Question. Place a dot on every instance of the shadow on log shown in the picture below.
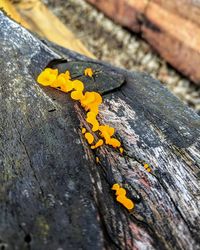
(53, 194)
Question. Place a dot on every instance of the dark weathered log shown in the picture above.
(171, 27)
(53, 193)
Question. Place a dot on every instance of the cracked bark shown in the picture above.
(54, 195)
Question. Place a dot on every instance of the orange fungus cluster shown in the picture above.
(88, 72)
(146, 166)
(90, 101)
(121, 197)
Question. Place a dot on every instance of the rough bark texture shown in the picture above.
(53, 194)
(171, 27)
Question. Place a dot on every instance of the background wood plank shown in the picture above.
(171, 27)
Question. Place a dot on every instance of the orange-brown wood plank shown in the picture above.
(172, 28)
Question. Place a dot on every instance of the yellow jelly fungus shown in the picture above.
(115, 186)
(146, 166)
(60, 81)
(83, 130)
(47, 77)
(121, 191)
(78, 85)
(121, 196)
(88, 72)
(106, 133)
(114, 142)
(88, 98)
(108, 129)
(98, 144)
(94, 109)
(95, 125)
(127, 203)
(89, 137)
(121, 150)
(67, 86)
(76, 95)
(91, 115)
(92, 106)
(106, 136)
(98, 98)
(91, 118)
(97, 160)
(67, 75)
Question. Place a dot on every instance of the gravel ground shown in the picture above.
(110, 42)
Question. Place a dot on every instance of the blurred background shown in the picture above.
(159, 39)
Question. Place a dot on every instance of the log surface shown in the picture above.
(53, 194)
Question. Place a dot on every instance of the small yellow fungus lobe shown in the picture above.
(121, 196)
(114, 142)
(88, 98)
(97, 160)
(91, 118)
(89, 137)
(121, 191)
(115, 186)
(76, 95)
(91, 101)
(121, 150)
(98, 144)
(58, 82)
(106, 132)
(47, 77)
(67, 75)
(78, 85)
(126, 202)
(88, 72)
(107, 129)
(146, 166)
(66, 86)
(83, 130)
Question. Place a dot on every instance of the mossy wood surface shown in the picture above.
(53, 194)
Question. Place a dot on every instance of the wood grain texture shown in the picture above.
(54, 195)
(171, 27)
(188, 9)
(8, 7)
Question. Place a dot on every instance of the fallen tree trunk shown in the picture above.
(172, 28)
(54, 195)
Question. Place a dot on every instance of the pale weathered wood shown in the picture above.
(35, 16)
(12, 12)
(54, 195)
(171, 27)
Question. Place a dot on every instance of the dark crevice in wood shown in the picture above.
(29, 159)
